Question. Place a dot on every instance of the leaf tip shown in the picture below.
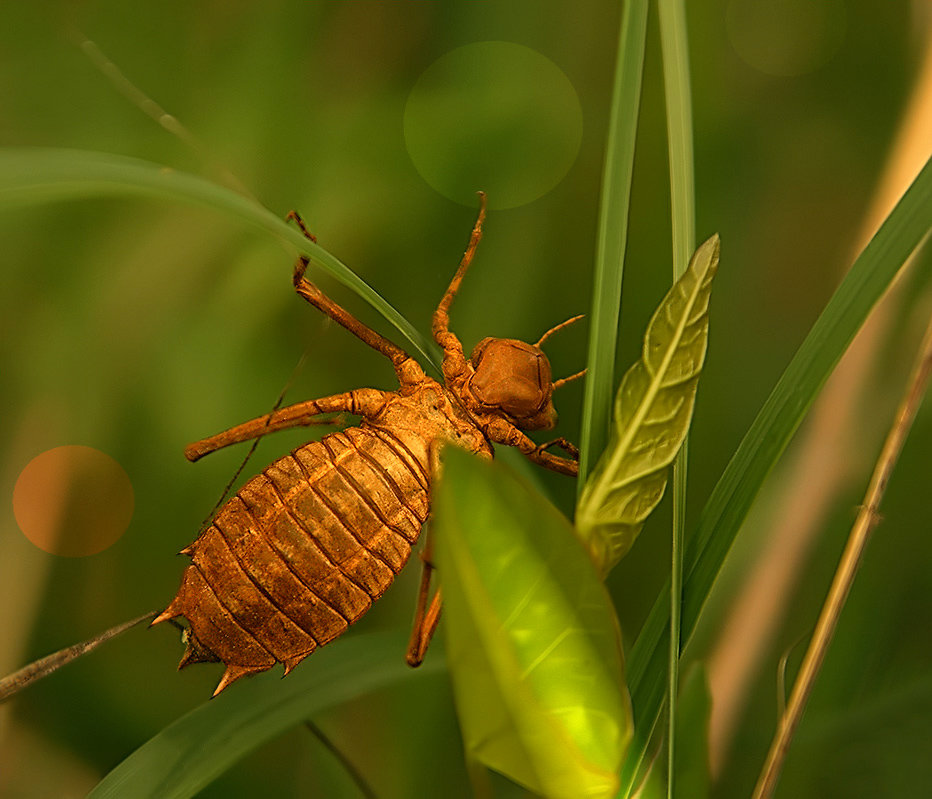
(711, 248)
(704, 261)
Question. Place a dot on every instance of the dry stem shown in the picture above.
(867, 519)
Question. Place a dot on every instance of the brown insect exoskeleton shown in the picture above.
(305, 547)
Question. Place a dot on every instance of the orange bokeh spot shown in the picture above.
(73, 501)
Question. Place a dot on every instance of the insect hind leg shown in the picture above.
(359, 402)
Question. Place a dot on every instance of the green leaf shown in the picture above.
(37, 174)
(653, 409)
(189, 753)
(532, 638)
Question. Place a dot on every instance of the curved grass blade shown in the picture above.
(653, 409)
(189, 753)
(875, 268)
(532, 638)
(38, 175)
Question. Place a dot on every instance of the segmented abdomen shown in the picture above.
(301, 551)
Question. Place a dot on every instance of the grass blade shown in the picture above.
(692, 767)
(872, 272)
(189, 753)
(39, 175)
(612, 236)
(674, 44)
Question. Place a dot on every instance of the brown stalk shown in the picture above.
(15, 682)
(867, 520)
(824, 462)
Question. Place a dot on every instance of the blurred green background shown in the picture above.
(138, 326)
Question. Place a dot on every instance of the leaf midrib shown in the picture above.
(620, 452)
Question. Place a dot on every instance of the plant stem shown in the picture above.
(674, 45)
(867, 519)
(16, 682)
(355, 775)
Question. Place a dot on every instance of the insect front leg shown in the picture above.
(502, 432)
(406, 368)
(454, 360)
(359, 402)
(571, 449)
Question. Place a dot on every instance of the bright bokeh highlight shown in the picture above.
(73, 501)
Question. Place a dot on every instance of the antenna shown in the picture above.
(560, 326)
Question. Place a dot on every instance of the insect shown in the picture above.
(305, 548)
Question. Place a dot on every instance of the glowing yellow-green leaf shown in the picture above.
(653, 409)
(533, 645)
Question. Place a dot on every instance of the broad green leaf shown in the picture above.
(189, 753)
(533, 643)
(653, 409)
(39, 174)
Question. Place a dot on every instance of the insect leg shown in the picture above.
(403, 363)
(454, 361)
(503, 432)
(296, 218)
(360, 402)
(571, 449)
(425, 618)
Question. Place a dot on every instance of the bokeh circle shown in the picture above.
(73, 501)
(495, 116)
(786, 38)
